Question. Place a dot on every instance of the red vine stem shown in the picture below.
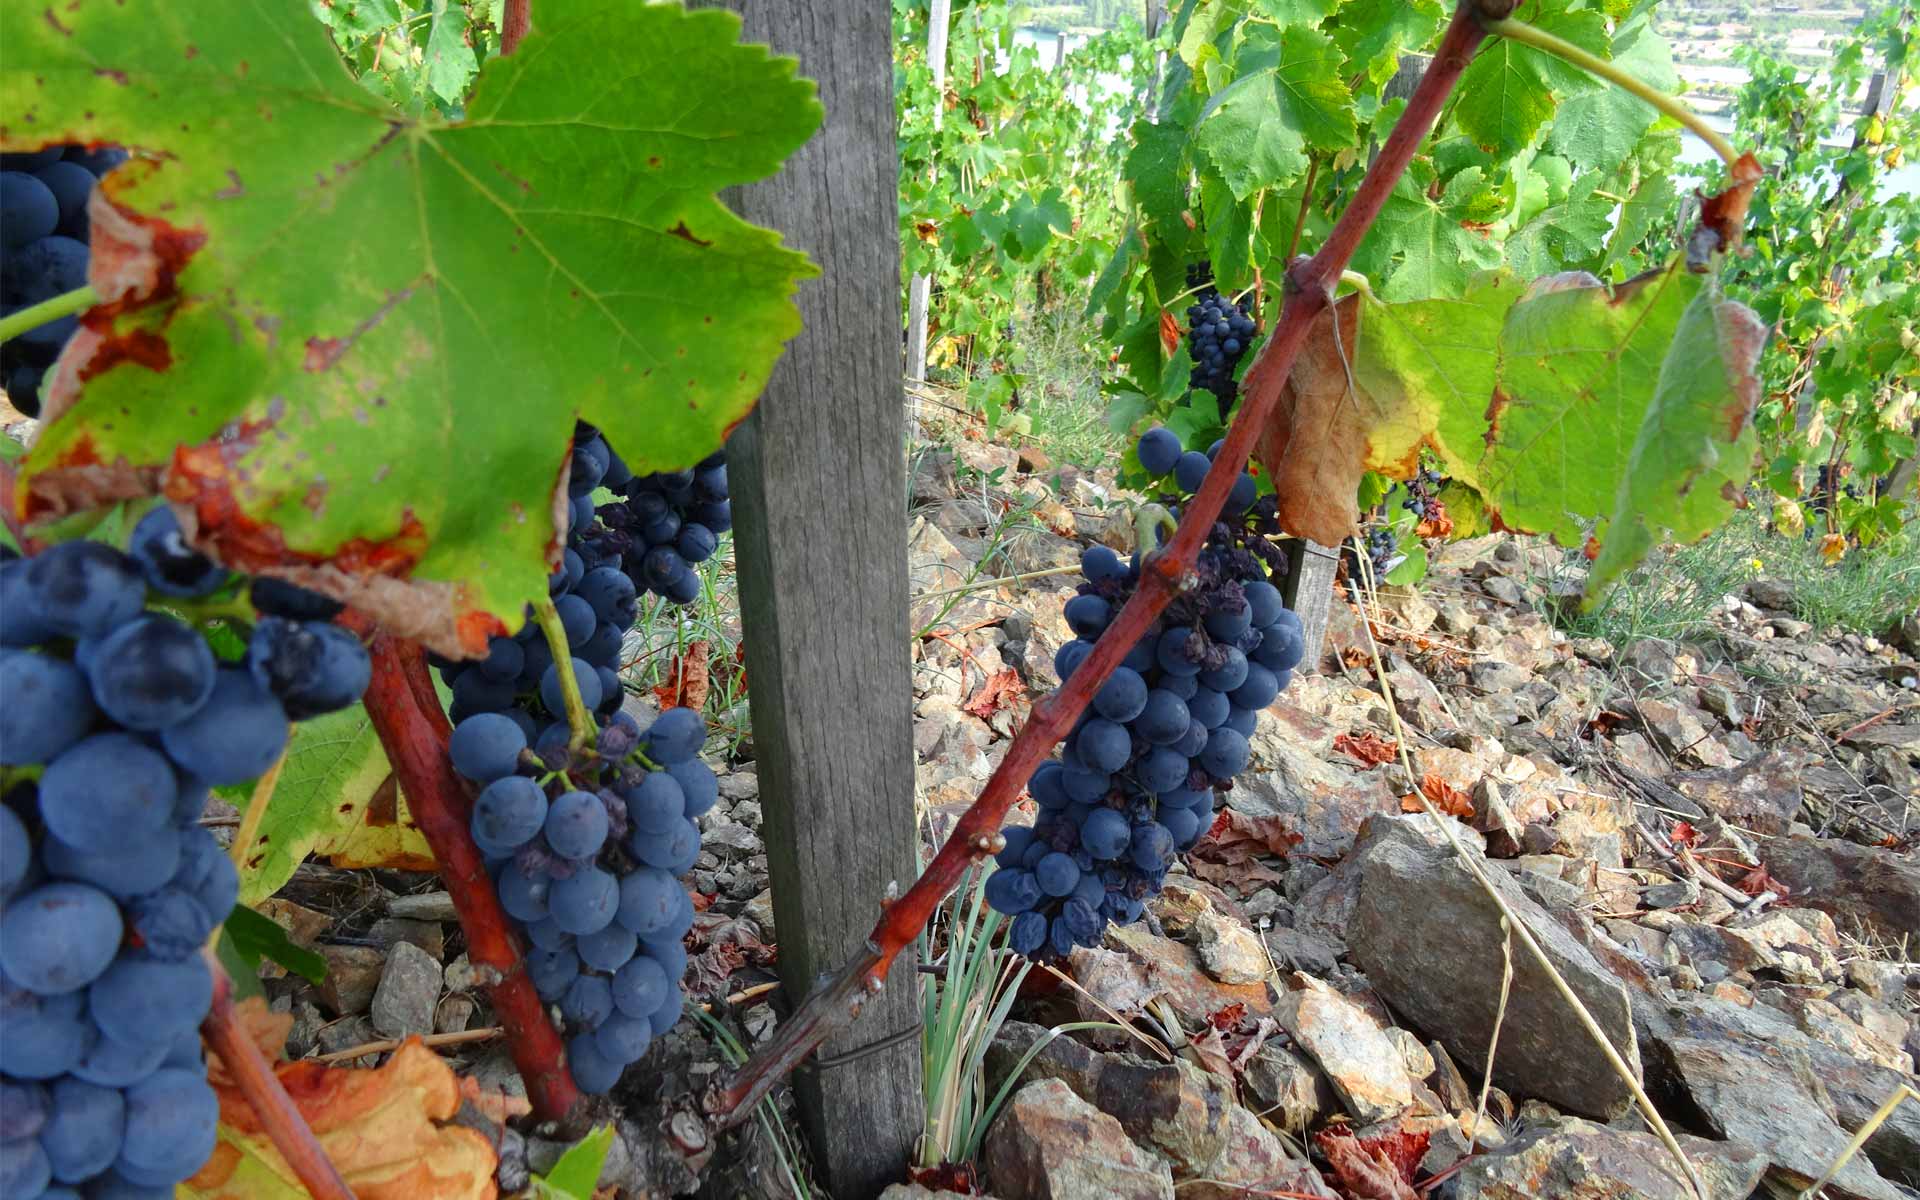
(514, 22)
(1309, 293)
(253, 1075)
(416, 747)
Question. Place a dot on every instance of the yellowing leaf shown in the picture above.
(384, 836)
(385, 1129)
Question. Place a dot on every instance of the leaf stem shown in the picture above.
(253, 1075)
(1592, 64)
(32, 317)
(578, 719)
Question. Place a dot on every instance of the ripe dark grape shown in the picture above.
(170, 565)
(311, 667)
(582, 871)
(1219, 331)
(1135, 784)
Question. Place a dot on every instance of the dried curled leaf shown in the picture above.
(1368, 747)
(385, 1129)
(1001, 690)
(1445, 797)
(689, 680)
(1374, 1168)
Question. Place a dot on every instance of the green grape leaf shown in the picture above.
(449, 60)
(1420, 247)
(1564, 236)
(1287, 97)
(1296, 12)
(1229, 226)
(1373, 34)
(1601, 127)
(1695, 447)
(333, 767)
(1564, 407)
(1157, 170)
(257, 938)
(577, 1175)
(390, 323)
(1508, 91)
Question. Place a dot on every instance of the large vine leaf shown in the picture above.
(1570, 408)
(333, 772)
(390, 1131)
(1601, 127)
(1374, 33)
(356, 340)
(1510, 90)
(1689, 465)
(1287, 97)
(1421, 247)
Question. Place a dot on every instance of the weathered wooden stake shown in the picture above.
(818, 473)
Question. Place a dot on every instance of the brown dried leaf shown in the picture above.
(1001, 690)
(688, 681)
(1374, 1168)
(1368, 747)
(383, 1128)
(1445, 797)
(1316, 446)
(1725, 212)
(1210, 1050)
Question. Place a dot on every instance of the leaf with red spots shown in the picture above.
(351, 342)
(1001, 690)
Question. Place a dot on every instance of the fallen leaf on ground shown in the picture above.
(382, 1128)
(1000, 691)
(1684, 834)
(1757, 881)
(1228, 1017)
(687, 681)
(1373, 1168)
(497, 1106)
(1445, 797)
(1368, 747)
(1211, 1051)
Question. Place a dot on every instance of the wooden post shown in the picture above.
(920, 287)
(1308, 591)
(818, 472)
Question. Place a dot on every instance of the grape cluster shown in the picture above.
(1384, 549)
(1219, 331)
(1135, 783)
(669, 523)
(108, 885)
(1422, 498)
(43, 252)
(588, 866)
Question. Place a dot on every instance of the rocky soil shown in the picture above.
(1712, 844)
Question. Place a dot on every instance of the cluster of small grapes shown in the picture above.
(43, 251)
(669, 523)
(109, 887)
(1384, 549)
(1219, 331)
(597, 601)
(587, 865)
(1136, 781)
(1421, 499)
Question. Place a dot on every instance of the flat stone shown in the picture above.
(1296, 950)
(1287, 1087)
(1049, 1144)
(423, 906)
(759, 909)
(344, 1035)
(428, 935)
(1176, 1108)
(1681, 731)
(1229, 950)
(1253, 1162)
(1359, 1059)
(409, 989)
(1429, 939)
(1869, 884)
(1578, 1160)
(1770, 1097)
(353, 972)
(1174, 970)
(1762, 794)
